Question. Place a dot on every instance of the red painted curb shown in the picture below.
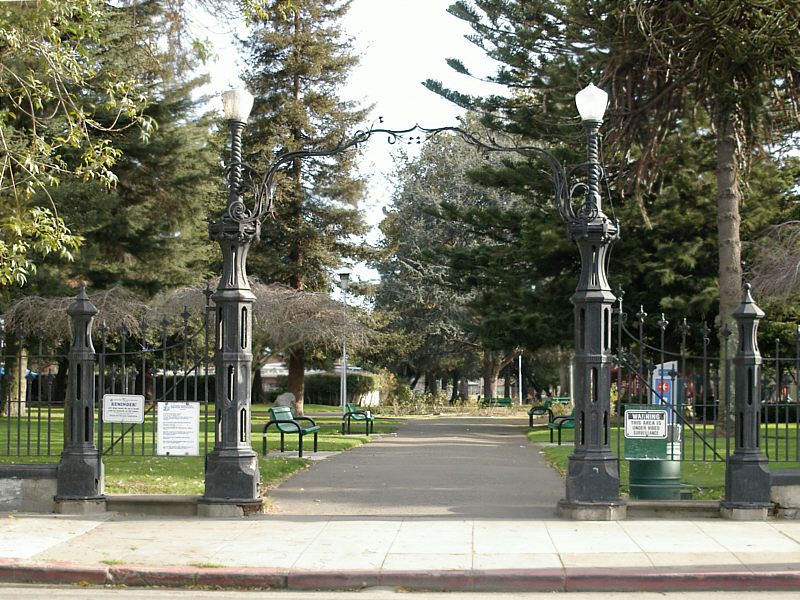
(233, 577)
(518, 580)
(432, 580)
(183, 576)
(21, 571)
(18, 571)
(329, 580)
(627, 580)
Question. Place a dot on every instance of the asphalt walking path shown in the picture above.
(453, 503)
(465, 468)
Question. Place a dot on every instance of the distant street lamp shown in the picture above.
(344, 277)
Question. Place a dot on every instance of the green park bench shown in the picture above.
(282, 418)
(353, 414)
(545, 409)
(507, 402)
(562, 422)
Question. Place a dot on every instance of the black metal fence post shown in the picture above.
(747, 478)
(80, 470)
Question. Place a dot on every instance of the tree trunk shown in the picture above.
(15, 382)
(493, 363)
(296, 380)
(414, 381)
(464, 387)
(430, 383)
(729, 198)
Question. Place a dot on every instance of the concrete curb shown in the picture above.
(541, 580)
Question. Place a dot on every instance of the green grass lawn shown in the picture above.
(706, 477)
(145, 473)
(184, 475)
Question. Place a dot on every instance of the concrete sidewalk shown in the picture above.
(413, 553)
(447, 504)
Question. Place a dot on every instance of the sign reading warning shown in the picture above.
(650, 424)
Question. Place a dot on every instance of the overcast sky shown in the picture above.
(401, 43)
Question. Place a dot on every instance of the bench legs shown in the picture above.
(559, 435)
(346, 427)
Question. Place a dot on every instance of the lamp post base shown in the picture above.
(232, 477)
(80, 475)
(593, 511)
(592, 479)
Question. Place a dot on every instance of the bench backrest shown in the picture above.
(282, 413)
(350, 407)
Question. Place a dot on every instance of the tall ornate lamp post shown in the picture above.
(232, 475)
(344, 277)
(592, 485)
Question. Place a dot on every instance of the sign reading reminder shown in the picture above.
(123, 408)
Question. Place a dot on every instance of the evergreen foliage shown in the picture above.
(296, 64)
(697, 90)
(53, 87)
(297, 61)
(148, 232)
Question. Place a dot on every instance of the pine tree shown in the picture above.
(148, 232)
(738, 62)
(296, 63)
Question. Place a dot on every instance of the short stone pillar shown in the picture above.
(747, 477)
(80, 471)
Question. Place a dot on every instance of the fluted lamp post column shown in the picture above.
(592, 482)
(232, 475)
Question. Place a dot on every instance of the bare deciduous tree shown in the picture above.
(775, 268)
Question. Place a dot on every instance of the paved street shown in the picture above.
(35, 592)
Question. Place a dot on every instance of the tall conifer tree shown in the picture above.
(296, 65)
(148, 231)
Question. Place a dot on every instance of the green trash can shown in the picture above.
(655, 479)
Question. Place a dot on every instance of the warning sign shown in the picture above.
(646, 424)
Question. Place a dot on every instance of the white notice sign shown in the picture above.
(178, 431)
(646, 424)
(123, 408)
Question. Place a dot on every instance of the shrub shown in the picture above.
(323, 388)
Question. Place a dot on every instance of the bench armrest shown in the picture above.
(313, 422)
(356, 412)
(278, 423)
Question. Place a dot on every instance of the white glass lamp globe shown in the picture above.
(237, 104)
(592, 102)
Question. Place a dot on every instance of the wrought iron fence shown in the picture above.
(174, 367)
(30, 393)
(170, 362)
(696, 386)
